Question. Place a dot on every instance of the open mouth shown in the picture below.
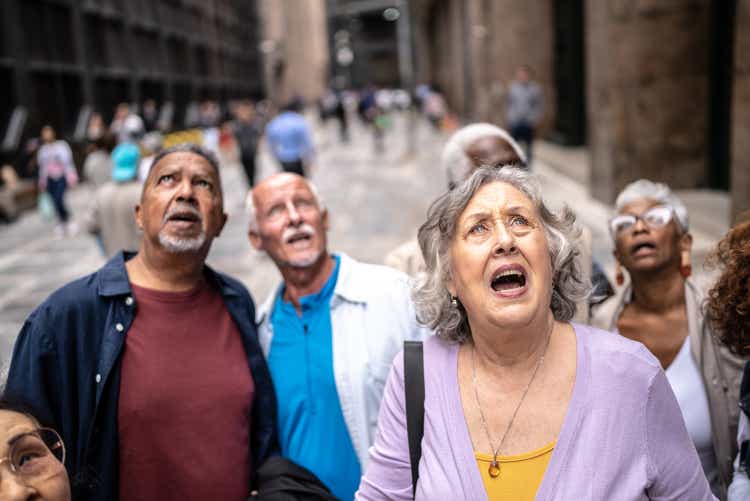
(642, 248)
(299, 239)
(508, 280)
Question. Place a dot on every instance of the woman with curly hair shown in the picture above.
(728, 313)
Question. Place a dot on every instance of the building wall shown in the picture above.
(740, 173)
(475, 47)
(59, 56)
(296, 48)
(647, 92)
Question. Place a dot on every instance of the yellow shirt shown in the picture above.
(520, 476)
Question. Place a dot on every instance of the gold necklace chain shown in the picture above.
(494, 468)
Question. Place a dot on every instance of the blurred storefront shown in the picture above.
(62, 60)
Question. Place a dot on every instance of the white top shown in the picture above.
(372, 314)
(685, 379)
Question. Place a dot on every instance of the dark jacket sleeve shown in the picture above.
(33, 367)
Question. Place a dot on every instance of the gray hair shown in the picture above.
(456, 162)
(252, 212)
(188, 148)
(660, 192)
(431, 297)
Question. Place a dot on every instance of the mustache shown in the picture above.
(182, 209)
(303, 230)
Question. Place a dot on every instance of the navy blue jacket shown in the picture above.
(66, 363)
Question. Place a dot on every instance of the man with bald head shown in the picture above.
(330, 333)
(151, 368)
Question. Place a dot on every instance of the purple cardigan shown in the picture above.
(623, 437)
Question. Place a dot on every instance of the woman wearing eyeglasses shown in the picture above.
(661, 307)
(32, 457)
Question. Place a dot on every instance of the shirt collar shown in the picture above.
(114, 281)
(347, 288)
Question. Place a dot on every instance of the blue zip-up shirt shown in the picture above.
(312, 430)
(66, 363)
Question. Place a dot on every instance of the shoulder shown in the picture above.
(615, 360)
(78, 299)
(230, 284)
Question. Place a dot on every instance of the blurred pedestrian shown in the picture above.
(151, 367)
(509, 400)
(97, 167)
(525, 108)
(434, 107)
(150, 115)
(126, 124)
(151, 145)
(728, 314)
(661, 307)
(247, 129)
(336, 321)
(111, 215)
(95, 129)
(57, 173)
(32, 455)
(290, 140)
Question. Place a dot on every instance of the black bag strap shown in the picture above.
(414, 393)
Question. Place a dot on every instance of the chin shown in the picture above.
(304, 261)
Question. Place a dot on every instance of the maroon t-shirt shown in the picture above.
(186, 393)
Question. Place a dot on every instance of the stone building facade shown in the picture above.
(295, 48)
(646, 85)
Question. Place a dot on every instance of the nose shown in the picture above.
(505, 242)
(293, 214)
(185, 190)
(12, 488)
(640, 226)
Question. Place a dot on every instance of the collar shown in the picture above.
(114, 281)
(347, 289)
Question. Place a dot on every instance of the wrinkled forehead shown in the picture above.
(496, 197)
(281, 189)
(12, 424)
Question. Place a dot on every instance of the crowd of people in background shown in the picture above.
(475, 363)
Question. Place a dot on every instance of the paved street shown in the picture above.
(375, 201)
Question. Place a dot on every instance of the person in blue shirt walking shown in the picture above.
(329, 332)
(289, 138)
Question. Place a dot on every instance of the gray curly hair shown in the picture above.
(431, 297)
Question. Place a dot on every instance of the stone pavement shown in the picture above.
(375, 202)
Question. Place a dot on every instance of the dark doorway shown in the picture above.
(721, 74)
(570, 77)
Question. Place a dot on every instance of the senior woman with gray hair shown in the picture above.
(519, 403)
(661, 307)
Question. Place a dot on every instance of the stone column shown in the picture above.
(647, 77)
(740, 173)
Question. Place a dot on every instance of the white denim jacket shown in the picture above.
(371, 315)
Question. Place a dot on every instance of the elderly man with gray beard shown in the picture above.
(151, 367)
(330, 332)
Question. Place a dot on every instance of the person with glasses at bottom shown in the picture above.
(32, 457)
(660, 306)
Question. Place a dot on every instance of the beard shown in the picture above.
(305, 262)
(179, 245)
